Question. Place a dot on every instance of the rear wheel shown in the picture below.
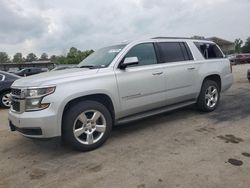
(87, 125)
(5, 100)
(209, 96)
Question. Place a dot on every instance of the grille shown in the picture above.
(16, 92)
(15, 105)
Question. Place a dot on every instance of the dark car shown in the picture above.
(6, 80)
(248, 74)
(29, 71)
(242, 58)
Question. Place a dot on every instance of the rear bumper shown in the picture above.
(227, 82)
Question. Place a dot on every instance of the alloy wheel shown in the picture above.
(211, 96)
(89, 127)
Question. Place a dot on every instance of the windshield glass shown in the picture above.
(102, 57)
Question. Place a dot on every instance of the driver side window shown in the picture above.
(145, 54)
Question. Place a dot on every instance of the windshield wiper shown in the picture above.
(90, 66)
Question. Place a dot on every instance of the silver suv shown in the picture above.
(119, 84)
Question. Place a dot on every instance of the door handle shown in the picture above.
(191, 68)
(157, 73)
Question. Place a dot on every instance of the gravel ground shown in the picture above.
(184, 148)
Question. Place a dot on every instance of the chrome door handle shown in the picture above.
(157, 73)
(191, 68)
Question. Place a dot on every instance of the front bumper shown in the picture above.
(37, 124)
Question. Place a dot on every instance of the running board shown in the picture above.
(153, 112)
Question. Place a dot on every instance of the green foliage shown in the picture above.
(74, 56)
(44, 57)
(246, 47)
(18, 58)
(4, 58)
(238, 43)
(31, 57)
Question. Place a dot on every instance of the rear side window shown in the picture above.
(173, 51)
(144, 52)
(209, 51)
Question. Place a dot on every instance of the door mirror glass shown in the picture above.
(129, 61)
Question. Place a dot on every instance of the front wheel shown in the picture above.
(209, 96)
(86, 125)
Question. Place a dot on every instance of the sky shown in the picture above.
(53, 26)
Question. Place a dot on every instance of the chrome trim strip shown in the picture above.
(153, 93)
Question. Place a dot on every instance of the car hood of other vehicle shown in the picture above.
(54, 77)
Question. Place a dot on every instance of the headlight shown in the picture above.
(34, 97)
(39, 92)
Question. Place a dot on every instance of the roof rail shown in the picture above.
(177, 38)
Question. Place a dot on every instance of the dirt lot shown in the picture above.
(183, 148)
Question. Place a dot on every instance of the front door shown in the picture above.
(141, 87)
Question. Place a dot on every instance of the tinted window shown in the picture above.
(1, 77)
(209, 51)
(173, 51)
(145, 54)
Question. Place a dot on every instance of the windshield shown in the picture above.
(102, 57)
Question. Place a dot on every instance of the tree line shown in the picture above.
(239, 48)
(74, 56)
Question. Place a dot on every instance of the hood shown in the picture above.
(54, 77)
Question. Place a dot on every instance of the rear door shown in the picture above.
(141, 87)
(180, 70)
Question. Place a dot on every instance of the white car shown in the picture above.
(119, 84)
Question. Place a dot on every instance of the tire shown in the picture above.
(81, 120)
(209, 92)
(5, 100)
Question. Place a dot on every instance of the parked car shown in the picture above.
(242, 58)
(119, 84)
(232, 59)
(6, 79)
(29, 71)
(248, 74)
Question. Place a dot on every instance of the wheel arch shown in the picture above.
(214, 77)
(100, 97)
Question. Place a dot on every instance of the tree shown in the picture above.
(246, 47)
(4, 58)
(18, 58)
(75, 56)
(237, 44)
(58, 59)
(44, 57)
(31, 57)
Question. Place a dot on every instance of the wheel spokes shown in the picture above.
(95, 116)
(89, 127)
(90, 138)
(79, 132)
(83, 118)
(100, 128)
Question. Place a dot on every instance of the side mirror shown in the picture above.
(129, 61)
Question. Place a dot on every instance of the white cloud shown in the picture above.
(53, 26)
